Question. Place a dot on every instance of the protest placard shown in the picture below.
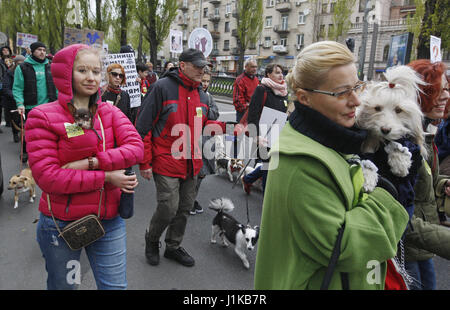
(25, 39)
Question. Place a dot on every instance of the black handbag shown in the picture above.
(83, 231)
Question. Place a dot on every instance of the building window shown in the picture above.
(267, 41)
(205, 26)
(332, 5)
(357, 19)
(301, 18)
(268, 21)
(300, 39)
(216, 12)
(195, 14)
(215, 45)
(270, 3)
(283, 41)
(227, 26)
(324, 8)
(205, 12)
(322, 31)
(284, 22)
(226, 45)
(386, 52)
(228, 8)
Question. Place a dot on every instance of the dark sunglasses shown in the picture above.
(115, 74)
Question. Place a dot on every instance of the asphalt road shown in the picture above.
(217, 268)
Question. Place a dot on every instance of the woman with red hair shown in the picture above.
(425, 237)
(113, 94)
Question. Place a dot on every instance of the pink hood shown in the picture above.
(62, 68)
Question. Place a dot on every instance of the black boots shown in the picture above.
(151, 250)
(180, 255)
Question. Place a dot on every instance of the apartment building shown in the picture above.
(290, 25)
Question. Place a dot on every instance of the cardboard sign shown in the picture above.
(128, 63)
(435, 49)
(176, 41)
(25, 39)
(83, 36)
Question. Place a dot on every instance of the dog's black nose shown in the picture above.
(385, 130)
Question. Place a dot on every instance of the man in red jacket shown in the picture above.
(171, 122)
(244, 87)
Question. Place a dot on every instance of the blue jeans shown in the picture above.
(423, 274)
(107, 256)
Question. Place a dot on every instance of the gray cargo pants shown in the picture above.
(175, 198)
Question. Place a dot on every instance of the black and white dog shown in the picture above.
(243, 237)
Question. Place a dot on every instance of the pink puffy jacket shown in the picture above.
(76, 193)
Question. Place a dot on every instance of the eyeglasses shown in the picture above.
(342, 94)
(115, 74)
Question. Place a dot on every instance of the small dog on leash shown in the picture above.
(225, 165)
(230, 230)
(21, 183)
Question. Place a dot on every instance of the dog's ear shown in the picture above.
(242, 227)
(256, 228)
(23, 178)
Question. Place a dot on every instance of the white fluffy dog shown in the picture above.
(389, 111)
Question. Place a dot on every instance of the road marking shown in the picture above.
(229, 112)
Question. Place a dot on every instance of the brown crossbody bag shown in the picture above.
(87, 229)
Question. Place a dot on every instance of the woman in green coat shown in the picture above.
(314, 189)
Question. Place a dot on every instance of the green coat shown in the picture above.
(425, 236)
(309, 195)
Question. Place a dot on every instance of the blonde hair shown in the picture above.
(92, 50)
(314, 62)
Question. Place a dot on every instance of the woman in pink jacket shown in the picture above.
(81, 170)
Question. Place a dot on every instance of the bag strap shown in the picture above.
(53, 217)
(103, 132)
(332, 264)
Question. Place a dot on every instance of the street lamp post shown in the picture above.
(362, 55)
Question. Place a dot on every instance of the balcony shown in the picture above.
(215, 34)
(215, 2)
(280, 49)
(283, 7)
(281, 29)
(214, 18)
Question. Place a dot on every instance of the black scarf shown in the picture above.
(41, 61)
(318, 127)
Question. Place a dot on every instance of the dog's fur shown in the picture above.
(23, 182)
(83, 118)
(389, 111)
(230, 230)
(225, 165)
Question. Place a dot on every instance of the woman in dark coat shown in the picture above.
(113, 94)
(271, 93)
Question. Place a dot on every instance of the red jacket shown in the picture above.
(171, 121)
(243, 89)
(76, 193)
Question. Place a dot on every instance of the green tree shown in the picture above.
(414, 23)
(249, 26)
(435, 22)
(341, 19)
(156, 16)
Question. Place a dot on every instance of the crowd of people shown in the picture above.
(319, 227)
